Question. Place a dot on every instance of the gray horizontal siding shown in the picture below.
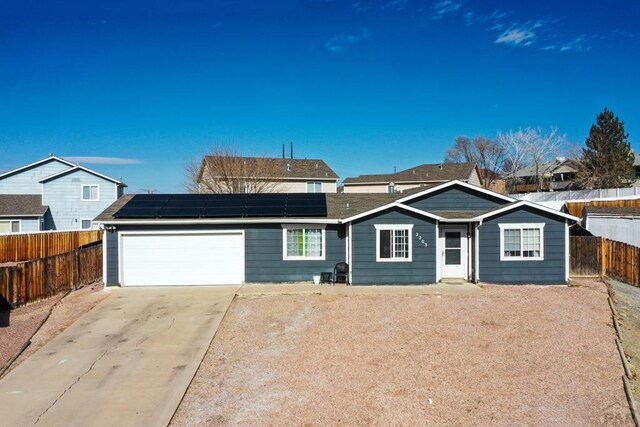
(367, 271)
(64, 197)
(111, 252)
(455, 198)
(263, 252)
(26, 181)
(27, 224)
(549, 270)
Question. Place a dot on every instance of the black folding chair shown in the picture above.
(341, 273)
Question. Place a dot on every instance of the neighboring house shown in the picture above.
(621, 224)
(556, 175)
(21, 213)
(54, 194)
(453, 230)
(415, 177)
(283, 175)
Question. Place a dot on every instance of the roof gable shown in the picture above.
(433, 189)
(36, 164)
(80, 168)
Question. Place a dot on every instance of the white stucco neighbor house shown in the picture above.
(54, 194)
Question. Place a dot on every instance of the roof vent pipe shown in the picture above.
(283, 153)
(291, 149)
(288, 167)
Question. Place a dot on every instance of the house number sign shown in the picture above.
(421, 240)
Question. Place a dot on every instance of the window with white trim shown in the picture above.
(521, 242)
(314, 187)
(393, 242)
(10, 226)
(303, 242)
(90, 193)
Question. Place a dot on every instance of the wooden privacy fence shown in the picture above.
(575, 208)
(599, 256)
(34, 280)
(23, 247)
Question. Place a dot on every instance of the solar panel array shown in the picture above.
(224, 206)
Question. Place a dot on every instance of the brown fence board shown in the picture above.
(24, 247)
(599, 256)
(575, 208)
(38, 279)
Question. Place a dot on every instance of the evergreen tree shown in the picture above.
(607, 161)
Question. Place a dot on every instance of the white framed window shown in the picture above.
(521, 242)
(303, 242)
(314, 187)
(86, 224)
(90, 193)
(10, 226)
(393, 242)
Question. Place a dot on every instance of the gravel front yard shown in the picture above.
(511, 354)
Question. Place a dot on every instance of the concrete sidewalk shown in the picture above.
(444, 288)
(127, 362)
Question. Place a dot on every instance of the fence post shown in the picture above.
(604, 256)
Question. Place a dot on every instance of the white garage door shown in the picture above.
(182, 259)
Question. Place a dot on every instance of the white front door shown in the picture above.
(453, 243)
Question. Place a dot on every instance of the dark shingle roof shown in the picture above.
(107, 214)
(21, 205)
(423, 173)
(458, 214)
(611, 211)
(298, 168)
(340, 205)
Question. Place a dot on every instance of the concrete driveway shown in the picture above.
(126, 362)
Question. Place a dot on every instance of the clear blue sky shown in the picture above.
(364, 85)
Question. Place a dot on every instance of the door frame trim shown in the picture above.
(464, 251)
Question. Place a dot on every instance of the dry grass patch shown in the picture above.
(510, 354)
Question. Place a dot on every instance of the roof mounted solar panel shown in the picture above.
(276, 205)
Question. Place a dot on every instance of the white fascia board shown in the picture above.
(11, 172)
(460, 183)
(531, 205)
(82, 168)
(220, 221)
(392, 205)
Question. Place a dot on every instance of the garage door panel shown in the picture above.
(182, 259)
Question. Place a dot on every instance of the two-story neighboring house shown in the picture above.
(414, 177)
(555, 175)
(265, 175)
(54, 194)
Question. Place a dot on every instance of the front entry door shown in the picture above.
(453, 244)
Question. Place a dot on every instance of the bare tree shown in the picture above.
(484, 152)
(530, 147)
(225, 170)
